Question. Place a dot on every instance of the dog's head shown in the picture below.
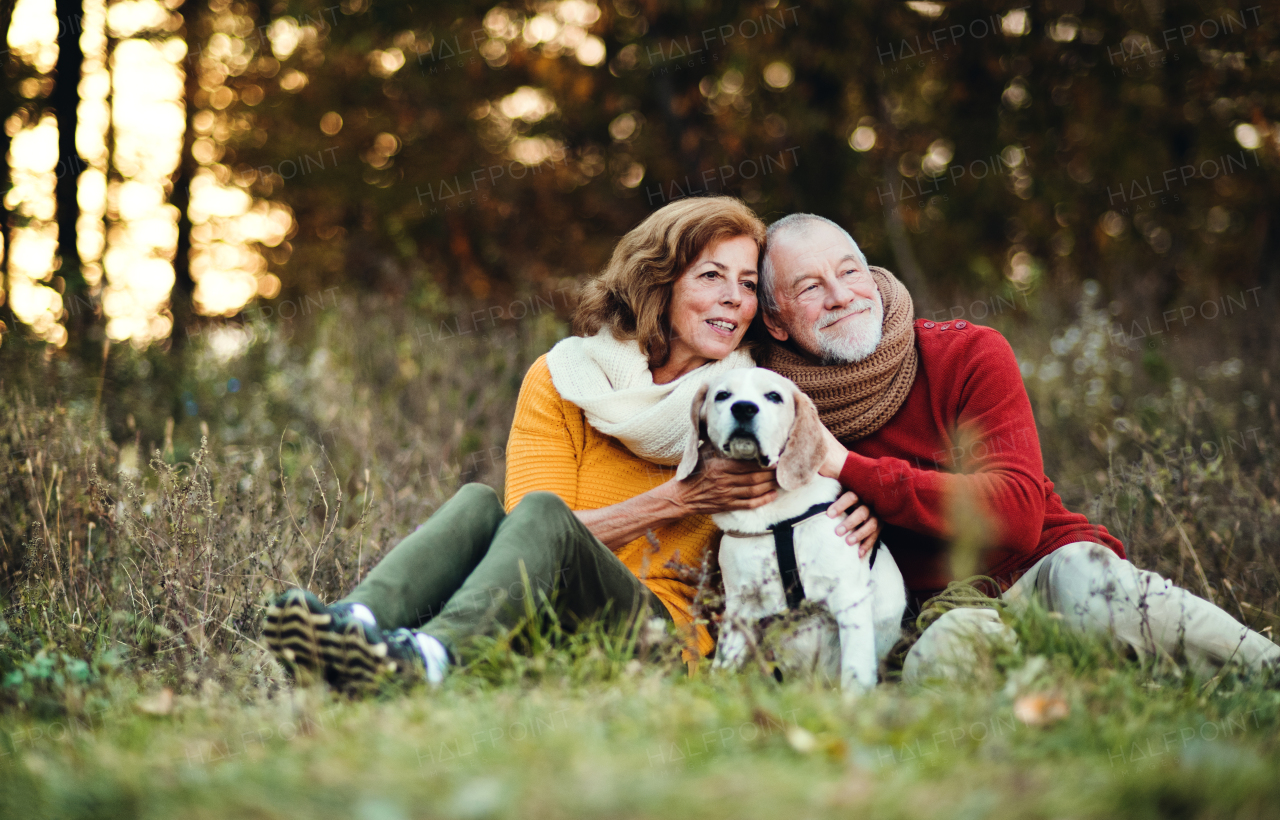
(753, 413)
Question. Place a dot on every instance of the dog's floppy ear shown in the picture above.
(803, 453)
(690, 461)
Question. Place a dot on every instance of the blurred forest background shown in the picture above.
(330, 239)
(167, 163)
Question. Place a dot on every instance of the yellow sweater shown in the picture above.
(553, 448)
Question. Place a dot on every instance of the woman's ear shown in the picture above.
(689, 463)
(803, 454)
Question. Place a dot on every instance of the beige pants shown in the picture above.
(1100, 593)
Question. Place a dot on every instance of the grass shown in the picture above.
(649, 742)
(150, 505)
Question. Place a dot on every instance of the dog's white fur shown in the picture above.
(777, 425)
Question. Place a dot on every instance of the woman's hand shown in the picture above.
(723, 484)
(718, 486)
(862, 527)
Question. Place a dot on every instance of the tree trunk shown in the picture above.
(65, 100)
(6, 104)
(181, 300)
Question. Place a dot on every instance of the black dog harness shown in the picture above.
(785, 546)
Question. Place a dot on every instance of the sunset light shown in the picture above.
(132, 120)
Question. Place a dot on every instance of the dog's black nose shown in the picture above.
(744, 410)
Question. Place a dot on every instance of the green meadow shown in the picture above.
(134, 684)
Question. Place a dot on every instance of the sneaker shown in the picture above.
(417, 656)
(404, 654)
(355, 654)
(339, 643)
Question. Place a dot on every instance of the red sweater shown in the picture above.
(965, 431)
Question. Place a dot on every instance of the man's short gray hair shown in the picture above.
(792, 226)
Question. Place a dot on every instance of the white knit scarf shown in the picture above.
(611, 381)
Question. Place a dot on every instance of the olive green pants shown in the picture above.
(458, 575)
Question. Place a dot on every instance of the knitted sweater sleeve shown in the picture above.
(545, 443)
(994, 458)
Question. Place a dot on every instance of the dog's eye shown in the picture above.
(722, 395)
(773, 396)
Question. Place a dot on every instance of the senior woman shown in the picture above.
(600, 423)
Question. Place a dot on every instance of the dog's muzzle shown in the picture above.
(742, 446)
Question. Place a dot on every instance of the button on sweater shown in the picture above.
(553, 448)
(965, 435)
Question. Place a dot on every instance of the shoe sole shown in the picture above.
(300, 633)
(356, 663)
(292, 629)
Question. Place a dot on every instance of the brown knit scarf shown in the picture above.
(855, 400)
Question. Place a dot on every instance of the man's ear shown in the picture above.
(689, 463)
(776, 330)
(803, 454)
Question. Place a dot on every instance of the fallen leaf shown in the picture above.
(801, 739)
(1040, 710)
(160, 704)
(835, 747)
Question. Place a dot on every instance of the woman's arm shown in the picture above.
(545, 443)
(721, 485)
(543, 452)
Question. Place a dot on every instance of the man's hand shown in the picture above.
(835, 455)
(861, 526)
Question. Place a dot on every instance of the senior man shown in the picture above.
(926, 418)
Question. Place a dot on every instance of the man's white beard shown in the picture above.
(854, 339)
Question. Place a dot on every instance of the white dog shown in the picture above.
(757, 414)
